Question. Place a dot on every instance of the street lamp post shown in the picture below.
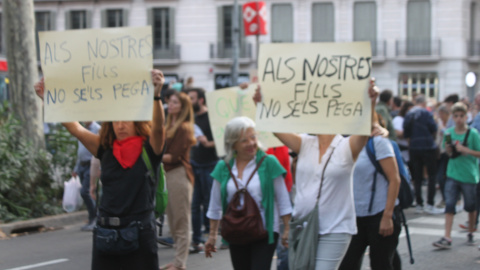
(235, 39)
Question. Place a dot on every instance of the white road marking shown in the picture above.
(432, 232)
(428, 220)
(31, 266)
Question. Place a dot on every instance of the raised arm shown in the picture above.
(357, 142)
(291, 140)
(90, 140)
(157, 136)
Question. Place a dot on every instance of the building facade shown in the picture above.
(427, 46)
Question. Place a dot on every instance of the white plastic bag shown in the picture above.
(72, 200)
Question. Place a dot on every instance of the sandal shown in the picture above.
(166, 266)
(170, 266)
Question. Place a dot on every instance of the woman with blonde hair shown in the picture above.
(127, 202)
(179, 175)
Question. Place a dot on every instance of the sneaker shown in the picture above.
(166, 241)
(470, 239)
(443, 243)
(419, 209)
(430, 209)
(196, 248)
(465, 226)
(89, 226)
(441, 205)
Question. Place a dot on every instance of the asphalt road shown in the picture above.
(69, 249)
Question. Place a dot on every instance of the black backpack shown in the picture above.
(406, 193)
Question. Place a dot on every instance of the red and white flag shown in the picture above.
(255, 18)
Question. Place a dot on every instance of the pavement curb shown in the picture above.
(56, 221)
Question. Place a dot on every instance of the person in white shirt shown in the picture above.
(336, 206)
(266, 187)
(398, 126)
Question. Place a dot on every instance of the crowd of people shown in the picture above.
(439, 142)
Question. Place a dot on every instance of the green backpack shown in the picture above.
(161, 194)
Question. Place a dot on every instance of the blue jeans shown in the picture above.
(201, 198)
(84, 175)
(452, 191)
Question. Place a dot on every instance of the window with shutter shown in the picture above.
(419, 27)
(282, 23)
(78, 19)
(365, 23)
(114, 18)
(225, 33)
(43, 22)
(323, 22)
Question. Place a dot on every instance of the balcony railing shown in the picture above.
(225, 51)
(379, 49)
(418, 47)
(171, 52)
(473, 48)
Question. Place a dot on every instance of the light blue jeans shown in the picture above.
(331, 249)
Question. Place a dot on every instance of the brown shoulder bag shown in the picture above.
(242, 224)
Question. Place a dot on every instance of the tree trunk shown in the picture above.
(19, 36)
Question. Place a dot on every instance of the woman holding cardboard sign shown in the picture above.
(323, 174)
(125, 233)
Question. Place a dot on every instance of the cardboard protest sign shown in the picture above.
(228, 103)
(318, 88)
(97, 74)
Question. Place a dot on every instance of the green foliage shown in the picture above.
(28, 188)
(63, 148)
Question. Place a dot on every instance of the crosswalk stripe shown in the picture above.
(432, 232)
(428, 220)
(38, 264)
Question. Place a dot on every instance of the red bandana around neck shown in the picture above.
(128, 150)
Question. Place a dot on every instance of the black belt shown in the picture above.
(105, 221)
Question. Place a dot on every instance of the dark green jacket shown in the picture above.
(383, 110)
(267, 172)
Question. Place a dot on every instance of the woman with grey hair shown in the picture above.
(266, 187)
